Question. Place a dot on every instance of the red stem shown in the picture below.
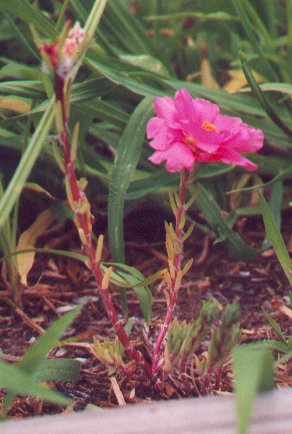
(177, 266)
(88, 246)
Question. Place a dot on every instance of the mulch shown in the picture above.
(57, 283)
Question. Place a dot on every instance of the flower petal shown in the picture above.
(184, 105)
(164, 107)
(177, 157)
(157, 131)
(205, 110)
(187, 129)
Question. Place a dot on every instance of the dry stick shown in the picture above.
(177, 268)
(24, 317)
(85, 220)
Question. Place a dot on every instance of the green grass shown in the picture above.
(134, 57)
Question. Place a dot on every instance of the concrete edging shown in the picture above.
(211, 415)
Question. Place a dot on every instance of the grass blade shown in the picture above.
(253, 371)
(128, 154)
(241, 7)
(235, 245)
(262, 98)
(275, 237)
(26, 12)
(130, 277)
(94, 17)
(35, 355)
(275, 326)
(17, 381)
(27, 161)
(58, 370)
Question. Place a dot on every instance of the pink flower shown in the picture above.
(186, 130)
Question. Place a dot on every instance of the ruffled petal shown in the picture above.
(158, 131)
(205, 110)
(184, 105)
(177, 157)
(232, 157)
(245, 139)
(164, 107)
(187, 129)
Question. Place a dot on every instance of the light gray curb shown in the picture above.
(212, 415)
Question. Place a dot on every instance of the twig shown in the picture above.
(24, 317)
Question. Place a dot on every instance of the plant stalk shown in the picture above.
(85, 221)
(177, 260)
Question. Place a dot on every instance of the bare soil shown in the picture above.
(56, 283)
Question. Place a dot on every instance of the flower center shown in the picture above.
(208, 126)
(190, 141)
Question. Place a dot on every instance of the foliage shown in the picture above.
(183, 340)
(24, 376)
(124, 57)
(135, 56)
(253, 363)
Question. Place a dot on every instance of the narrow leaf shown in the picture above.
(31, 15)
(128, 155)
(44, 343)
(276, 239)
(262, 98)
(253, 371)
(130, 277)
(58, 370)
(275, 326)
(27, 161)
(235, 245)
(17, 381)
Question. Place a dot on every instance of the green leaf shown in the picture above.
(35, 355)
(146, 62)
(253, 372)
(281, 174)
(213, 17)
(114, 72)
(94, 17)
(276, 201)
(235, 245)
(276, 239)
(162, 180)
(275, 326)
(25, 88)
(58, 370)
(31, 15)
(271, 344)
(26, 163)
(156, 181)
(243, 11)
(17, 381)
(129, 31)
(128, 155)
(274, 87)
(33, 361)
(131, 277)
(271, 112)
(65, 253)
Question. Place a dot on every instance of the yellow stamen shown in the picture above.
(208, 126)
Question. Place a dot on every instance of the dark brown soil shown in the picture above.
(57, 282)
